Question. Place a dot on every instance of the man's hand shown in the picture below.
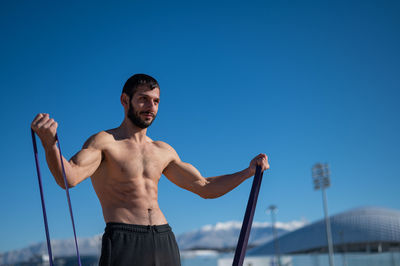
(46, 128)
(261, 160)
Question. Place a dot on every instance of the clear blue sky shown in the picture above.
(302, 81)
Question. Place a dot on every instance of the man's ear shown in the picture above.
(125, 100)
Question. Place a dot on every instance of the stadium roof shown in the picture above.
(366, 229)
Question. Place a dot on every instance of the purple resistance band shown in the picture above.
(248, 219)
(35, 150)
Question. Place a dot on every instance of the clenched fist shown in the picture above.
(46, 128)
(261, 160)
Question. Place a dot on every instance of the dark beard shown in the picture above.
(136, 120)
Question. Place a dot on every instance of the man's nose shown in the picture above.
(151, 105)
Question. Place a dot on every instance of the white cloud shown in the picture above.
(290, 226)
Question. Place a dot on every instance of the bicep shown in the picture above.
(85, 162)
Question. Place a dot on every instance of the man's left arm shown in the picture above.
(188, 177)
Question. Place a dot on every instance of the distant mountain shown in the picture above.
(60, 248)
(223, 235)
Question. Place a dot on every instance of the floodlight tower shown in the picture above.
(272, 209)
(321, 179)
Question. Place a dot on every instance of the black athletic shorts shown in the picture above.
(139, 245)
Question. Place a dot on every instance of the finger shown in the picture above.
(39, 117)
(54, 125)
(257, 157)
(42, 121)
(262, 161)
(36, 119)
(48, 123)
(263, 156)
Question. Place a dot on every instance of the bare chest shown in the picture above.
(130, 161)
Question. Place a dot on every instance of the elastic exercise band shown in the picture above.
(248, 219)
(42, 198)
(35, 150)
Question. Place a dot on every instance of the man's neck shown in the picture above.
(130, 131)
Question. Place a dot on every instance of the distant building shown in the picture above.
(367, 229)
(362, 236)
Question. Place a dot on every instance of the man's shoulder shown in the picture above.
(167, 149)
(163, 145)
(98, 140)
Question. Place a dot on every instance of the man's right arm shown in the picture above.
(82, 165)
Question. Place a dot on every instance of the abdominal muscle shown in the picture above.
(130, 201)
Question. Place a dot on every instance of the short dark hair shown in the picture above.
(137, 80)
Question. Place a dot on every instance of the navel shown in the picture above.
(149, 211)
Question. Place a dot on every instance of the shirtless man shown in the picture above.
(125, 166)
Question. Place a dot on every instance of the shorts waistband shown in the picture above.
(137, 227)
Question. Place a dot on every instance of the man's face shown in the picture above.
(143, 106)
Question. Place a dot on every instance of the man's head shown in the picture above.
(140, 98)
(137, 80)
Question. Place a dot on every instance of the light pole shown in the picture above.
(341, 233)
(272, 209)
(321, 179)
